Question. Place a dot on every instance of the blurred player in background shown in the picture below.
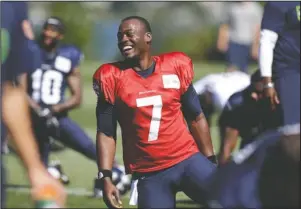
(244, 115)
(56, 68)
(279, 58)
(146, 94)
(214, 90)
(264, 174)
(238, 34)
(16, 58)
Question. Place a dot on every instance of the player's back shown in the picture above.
(240, 107)
(222, 85)
(48, 81)
(154, 132)
(284, 19)
(15, 54)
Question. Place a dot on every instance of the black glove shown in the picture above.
(51, 121)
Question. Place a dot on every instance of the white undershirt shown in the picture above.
(222, 86)
(268, 41)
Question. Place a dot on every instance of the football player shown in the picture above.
(264, 174)
(146, 95)
(56, 68)
(279, 58)
(215, 89)
(16, 58)
(246, 104)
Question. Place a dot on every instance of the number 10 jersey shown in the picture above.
(154, 132)
(48, 82)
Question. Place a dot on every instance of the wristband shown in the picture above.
(212, 158)
(104, 173)
(268, 85)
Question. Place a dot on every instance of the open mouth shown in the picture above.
(127, 49)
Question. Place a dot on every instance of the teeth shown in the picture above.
(127, 47)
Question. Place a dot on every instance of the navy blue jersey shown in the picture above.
(48, 81)
(243, 114)
(16, 55)
(284, 19)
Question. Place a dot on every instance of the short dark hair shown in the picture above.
(141, 19)
(256, 76)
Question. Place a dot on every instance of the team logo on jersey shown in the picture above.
(171, 81)
(96, 87)
(5, 44)
(62, 64)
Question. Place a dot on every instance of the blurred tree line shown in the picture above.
(195, 36)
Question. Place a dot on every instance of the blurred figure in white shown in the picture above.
(214, 90)
(239, 33)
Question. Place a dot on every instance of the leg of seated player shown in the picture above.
(288, 89)
(158, 189)
(198, 169)
(74, 137)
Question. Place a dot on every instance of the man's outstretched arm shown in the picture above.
(197, 123)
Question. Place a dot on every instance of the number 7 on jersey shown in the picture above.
(156, 102)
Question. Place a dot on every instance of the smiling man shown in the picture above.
(150, 96)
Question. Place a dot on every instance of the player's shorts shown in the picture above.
(158, 189)
(288, 89)
(238, 56)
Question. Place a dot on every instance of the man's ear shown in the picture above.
(149, 37)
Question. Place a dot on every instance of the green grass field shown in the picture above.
(80, 170)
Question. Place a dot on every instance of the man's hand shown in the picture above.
(271, 94)
(111, 194)
(41, 180)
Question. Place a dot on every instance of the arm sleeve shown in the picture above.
(272, 24)
(191, 106)
(268, 41)
(106, 118)
(103, 86)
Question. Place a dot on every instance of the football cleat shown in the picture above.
(55, 169)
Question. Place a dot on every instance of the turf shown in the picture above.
(80, 170)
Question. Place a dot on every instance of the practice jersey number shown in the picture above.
(47, 86)
(156, 102)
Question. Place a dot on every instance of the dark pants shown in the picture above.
(70, 134)
(235, 184)
(238, 56)
(288, 89)
(158, 189)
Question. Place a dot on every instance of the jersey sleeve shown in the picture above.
(104, 83)
(185, 72)
(273, 17)
(76, 57)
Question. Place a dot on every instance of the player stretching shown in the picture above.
(279, 58)
(146, 95)
(56, 68)
(16, 58)
(215, 89)
(241, 105)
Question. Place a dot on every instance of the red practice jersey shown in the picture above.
(154, 133)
